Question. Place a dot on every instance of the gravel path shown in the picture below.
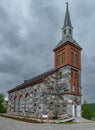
(9, 124)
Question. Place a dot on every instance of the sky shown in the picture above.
(29, 31)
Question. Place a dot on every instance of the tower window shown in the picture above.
(58, 60)
(72, 73)
(76, 59)
(70, 31)
(73, 88)
(76, 75)
(72, 57)
(64, 31)
(63, 57)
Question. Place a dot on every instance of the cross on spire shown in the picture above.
(67, 4)
(67, 20)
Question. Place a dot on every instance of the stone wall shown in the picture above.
(47, 98)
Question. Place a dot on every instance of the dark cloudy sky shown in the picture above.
(30, 29)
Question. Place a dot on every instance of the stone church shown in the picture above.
(56, 92)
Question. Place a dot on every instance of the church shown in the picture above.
(57, 91)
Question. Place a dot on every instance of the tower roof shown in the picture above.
(67, 39)
(67, 20)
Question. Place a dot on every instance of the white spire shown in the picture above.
(67, 27)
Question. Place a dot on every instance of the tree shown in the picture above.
(2, 104)
(86, 112)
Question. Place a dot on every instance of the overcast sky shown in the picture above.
(29, 31)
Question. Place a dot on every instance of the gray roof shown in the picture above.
(32, 80)
(66, 39)
(45, 74)
(67, 20)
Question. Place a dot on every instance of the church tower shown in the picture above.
(67, 60)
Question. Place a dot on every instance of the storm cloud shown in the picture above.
(29, 31)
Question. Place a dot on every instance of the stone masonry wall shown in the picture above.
(46, 98)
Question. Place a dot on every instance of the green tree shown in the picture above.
(86, 112)
(2, 104)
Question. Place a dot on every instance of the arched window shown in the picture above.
(64, 31)
(20, 103)
(14, 104)
(63, 57)
(51, 105)
(60, 74)
(72, 74)
(76, 59)
(73, 88)
(70, 31)
(35, 92)
(17, 104)
(72, 57)
(27, 103)
(35, 106)
(58, 59)
(76, 75)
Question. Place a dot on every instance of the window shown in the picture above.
(63, 57)
(35, 106)
(20, 103)
(58, 60)
(76, 59)
(73, 88)
(72, 73)
(35, 93)
(51, 105)
(64, 31)
(27, 103)
(60, 74)
(14, 104)
(76, 75)
(72, 57)
(70, 31)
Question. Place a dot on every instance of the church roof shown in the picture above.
(67, 39)
(32, 80)
(43, 75)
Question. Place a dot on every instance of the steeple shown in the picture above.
(67, 27)
(67, 31)
(67, 20)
